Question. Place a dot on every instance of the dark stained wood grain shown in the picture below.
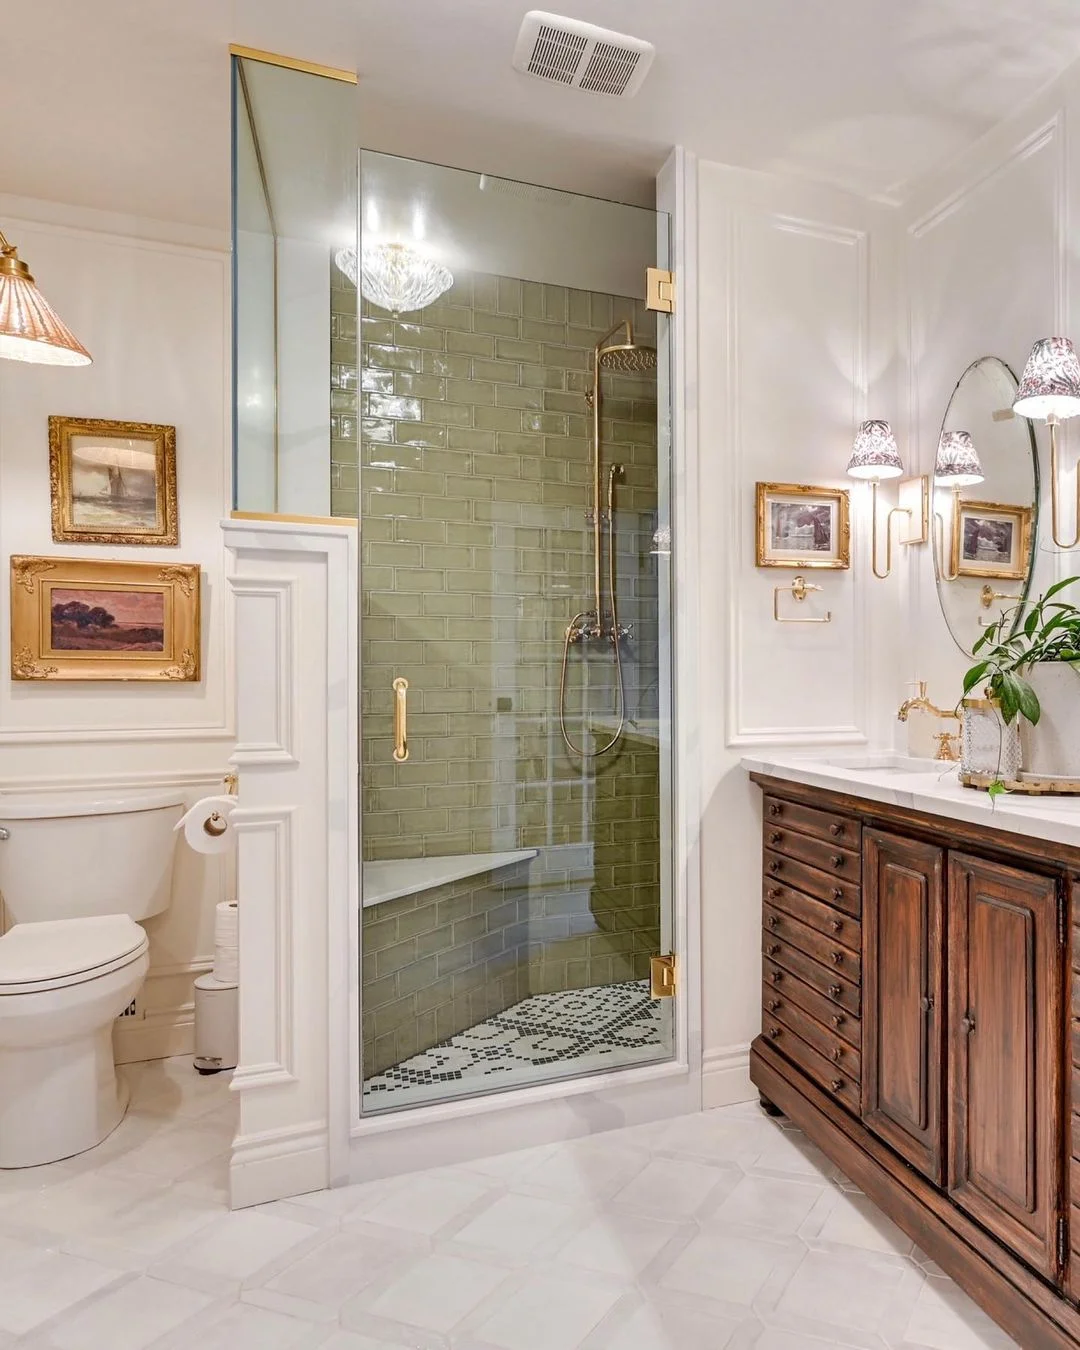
(903, 997)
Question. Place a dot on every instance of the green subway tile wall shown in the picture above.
(461, 438)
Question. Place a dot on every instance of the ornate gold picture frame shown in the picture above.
(112, 482)
(77, 619)
(991, 539)
(800, 526)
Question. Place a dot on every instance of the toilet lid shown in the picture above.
(62, 949)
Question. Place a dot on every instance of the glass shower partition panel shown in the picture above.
(515, 603)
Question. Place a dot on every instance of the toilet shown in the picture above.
(77, 875)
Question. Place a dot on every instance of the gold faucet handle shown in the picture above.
(948, 746)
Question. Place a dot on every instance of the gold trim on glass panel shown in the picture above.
(34, 655)
(61, 480)
(842, 545)
(294, 63)
(287, 519)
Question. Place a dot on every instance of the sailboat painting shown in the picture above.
(112, 482)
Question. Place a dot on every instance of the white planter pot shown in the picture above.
(1052, 749)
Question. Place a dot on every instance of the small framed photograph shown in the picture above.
(800, 526)
(74, 619)
(991, 540)
(112, 482)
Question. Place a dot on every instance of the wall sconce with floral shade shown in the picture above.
(876, 456)
(1050, 392)
(957, 466)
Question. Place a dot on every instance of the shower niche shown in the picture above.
(501, 433)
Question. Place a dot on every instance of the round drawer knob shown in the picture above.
(926, 1004)
(837, 860)
(837, 893)
(836, 830)
(775, 837)
(773, 921)
(772, 948)
(775, 893)
(775, 865)
(837, 1085)
(774, 808)
(837, 1053)
(838, 925)
(776, 976)
(774, 1033)
(835, 991)
(774, 1004)
(837, 958)
(838, 1019)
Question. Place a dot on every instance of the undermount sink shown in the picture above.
(889, 761)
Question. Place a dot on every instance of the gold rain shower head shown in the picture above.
(630, 358)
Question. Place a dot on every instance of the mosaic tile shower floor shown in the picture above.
(605, 1026)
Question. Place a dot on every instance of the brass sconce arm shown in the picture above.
(896, 511)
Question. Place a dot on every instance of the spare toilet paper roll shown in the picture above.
(227, 943)
(206, 825)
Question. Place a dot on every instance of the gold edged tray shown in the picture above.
(1032, 787)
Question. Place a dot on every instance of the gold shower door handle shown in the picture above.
(401, 720)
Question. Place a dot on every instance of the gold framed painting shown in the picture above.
(77, 619)
(991, 539)
(800, 526)
(112, 482)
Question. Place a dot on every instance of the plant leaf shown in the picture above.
(996, 789)
(974, 675)
(1028, 701)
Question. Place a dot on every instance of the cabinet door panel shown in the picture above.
(903, 1051)
(1006, 1055)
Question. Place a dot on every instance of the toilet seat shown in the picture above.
(35, 957)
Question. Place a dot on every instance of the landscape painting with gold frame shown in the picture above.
(77, 619)
(112, 482)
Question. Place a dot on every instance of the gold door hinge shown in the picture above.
(662, 977)
(660, 290)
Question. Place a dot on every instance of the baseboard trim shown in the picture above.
(137, 1041)
(275, 1164)
(725, 1077)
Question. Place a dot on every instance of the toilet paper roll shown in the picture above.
(227, 943)
(206, 825)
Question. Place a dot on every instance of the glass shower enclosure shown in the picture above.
(464, 366)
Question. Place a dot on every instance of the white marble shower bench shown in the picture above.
(394, 877)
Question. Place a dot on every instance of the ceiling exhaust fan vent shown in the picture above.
(581, 56)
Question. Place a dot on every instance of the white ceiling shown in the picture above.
(123, 104)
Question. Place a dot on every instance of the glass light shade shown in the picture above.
(875, 453)
(30, 329)
(395, 277)
(1050, 387)
(958, 464)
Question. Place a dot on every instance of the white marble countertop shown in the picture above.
(928, 786)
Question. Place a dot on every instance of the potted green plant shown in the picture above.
(1033, 673)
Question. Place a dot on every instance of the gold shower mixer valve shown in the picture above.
(586, 628)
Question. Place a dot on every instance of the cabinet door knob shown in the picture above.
(837, 1085)
(837, 860)
(837, 1020)
(835, 991)
(968, 1024)
(775, 837)
(926, 1004)
(836, 830)
(837, 958)
(837, 925)
(772, 948)
(774, 1004)
(774, 808)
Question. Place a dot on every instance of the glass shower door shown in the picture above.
(515, 632)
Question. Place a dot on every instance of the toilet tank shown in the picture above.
(67, 856)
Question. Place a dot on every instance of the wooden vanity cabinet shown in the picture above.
(918, 1022)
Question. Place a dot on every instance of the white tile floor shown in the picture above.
(715, 1232)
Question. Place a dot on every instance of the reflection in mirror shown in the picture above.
(986, 495)
(295, 191)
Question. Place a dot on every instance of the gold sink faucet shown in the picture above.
(909, 705)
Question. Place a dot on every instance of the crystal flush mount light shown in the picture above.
(958, 465)
(1050, 392)
(395, 277)
(30, 329)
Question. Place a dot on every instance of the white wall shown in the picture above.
(797, 309)
(152, 306)
(988, 270)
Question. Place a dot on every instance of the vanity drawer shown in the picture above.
(821, 824)
(828, 857)
(831, 953)
(845, 892)
(837, 1082)
(827, 1043)
(815, 913)
(788, 961)
(792, 992)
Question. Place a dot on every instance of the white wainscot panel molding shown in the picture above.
(265, 670)
(797, 374)
(293, 589)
